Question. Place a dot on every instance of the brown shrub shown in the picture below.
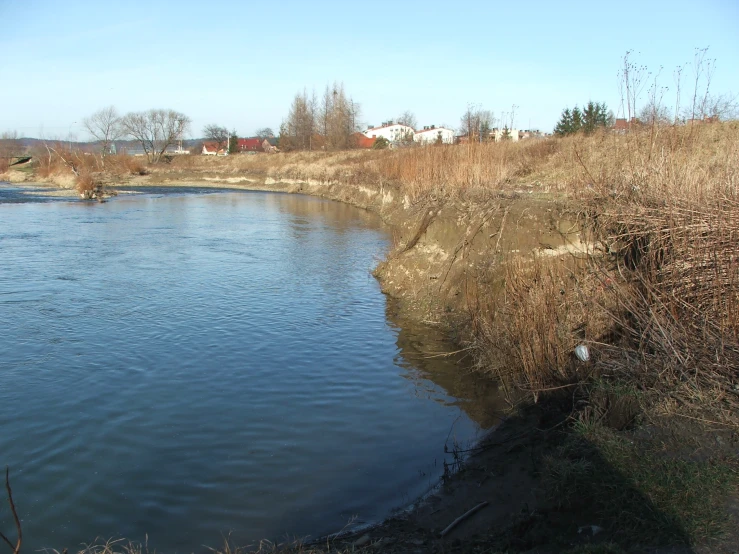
(85, 182)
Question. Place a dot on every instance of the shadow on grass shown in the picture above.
(602, 490)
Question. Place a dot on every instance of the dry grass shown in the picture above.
(526, 327)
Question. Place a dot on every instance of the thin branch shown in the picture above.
(461, 518)
(17, 548)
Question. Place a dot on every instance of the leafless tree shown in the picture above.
(655, 114)
(408, 118)
(105, 127)
(219, 135)
(476, 123)
(264, 132)
(155, 130)
(338, 117)
(298, 130)
(722, 106)
(327, 124)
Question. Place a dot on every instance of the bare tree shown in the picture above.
(338, 117)
(655, 113)
(105, 127)
(476, 123)
(298, 130)
(216, 134)
(264, 132)
(327, 124)
(408, 118)
(723, 106)
(155, 130)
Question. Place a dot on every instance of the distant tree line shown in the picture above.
(594, 116)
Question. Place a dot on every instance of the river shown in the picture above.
(185, 364)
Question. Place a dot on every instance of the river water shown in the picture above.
(187, 364)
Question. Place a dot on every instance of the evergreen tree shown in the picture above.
(233, 143)
(380, 143)
(595, 115)
(590, 117)
(564, 125)
(576, 119)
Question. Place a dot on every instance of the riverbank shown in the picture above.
(522, 252)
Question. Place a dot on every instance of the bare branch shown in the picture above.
(105, 127)
(17, 547)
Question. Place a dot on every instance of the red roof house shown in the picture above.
(360, 140)
(250, 145)
(213, 149)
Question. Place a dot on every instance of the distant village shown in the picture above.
(395, 134)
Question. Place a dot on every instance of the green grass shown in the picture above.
(639, 496)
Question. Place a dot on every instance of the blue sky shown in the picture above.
(239, 64)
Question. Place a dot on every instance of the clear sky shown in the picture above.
(239, 63)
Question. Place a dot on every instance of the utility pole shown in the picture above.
(69, 135)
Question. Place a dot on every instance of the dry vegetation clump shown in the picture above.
(658, 303)
(526, 327)
(83, 170)
(123, 164)
(671, 226)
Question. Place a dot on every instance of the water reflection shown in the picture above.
(442, 373)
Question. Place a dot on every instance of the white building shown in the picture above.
(394, 132)
(499, 134)
(431, 134)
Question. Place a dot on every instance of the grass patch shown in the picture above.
(637, 495)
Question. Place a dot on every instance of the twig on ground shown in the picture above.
(461, 518)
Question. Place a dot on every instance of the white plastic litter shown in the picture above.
(582, 352)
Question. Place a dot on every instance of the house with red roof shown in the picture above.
(360, 140)
(249, 145)
(213, 149)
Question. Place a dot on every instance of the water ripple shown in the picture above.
(183, 366)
